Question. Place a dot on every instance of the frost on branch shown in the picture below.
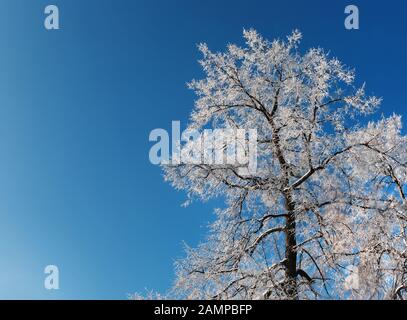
(329, 193)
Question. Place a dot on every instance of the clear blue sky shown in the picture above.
(76, 109)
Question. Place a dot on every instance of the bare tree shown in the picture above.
(325, 214)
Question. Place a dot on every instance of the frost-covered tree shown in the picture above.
(325, 214)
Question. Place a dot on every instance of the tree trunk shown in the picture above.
(290, 283)
(290, 250)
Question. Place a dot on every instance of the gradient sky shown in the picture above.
(76, 108)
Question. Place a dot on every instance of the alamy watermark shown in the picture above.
(352, 20)
(51, 21)
(233, 147)
(51, 281)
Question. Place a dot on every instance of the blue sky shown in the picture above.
(76, 108)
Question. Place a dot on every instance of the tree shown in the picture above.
(325, 214)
